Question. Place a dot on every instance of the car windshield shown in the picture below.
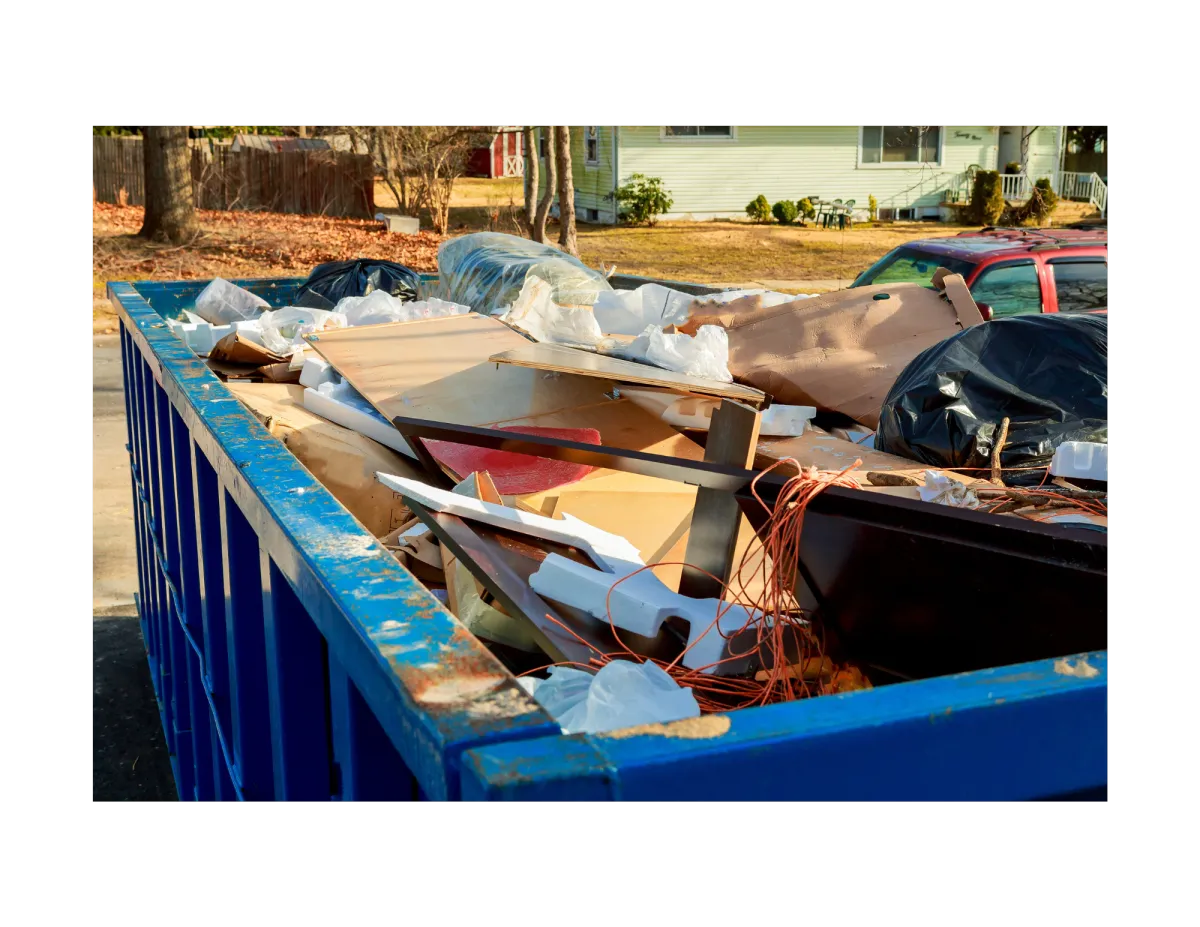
(910, 265)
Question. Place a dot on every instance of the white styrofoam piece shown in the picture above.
(200, 336)
(608, 549)
(641, 604)
(317, 370)
(1083, 460)
(356, 420)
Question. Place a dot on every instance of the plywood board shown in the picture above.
(560, 359)
(342, 460)
(438, 369)
(816, 448)
(656, 523)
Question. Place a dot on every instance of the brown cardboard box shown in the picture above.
(839, 351)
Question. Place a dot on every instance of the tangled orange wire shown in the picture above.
(775, 630)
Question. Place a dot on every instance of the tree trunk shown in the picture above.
(543, 209)
(566, 192)
(531, 177)
(170, 213)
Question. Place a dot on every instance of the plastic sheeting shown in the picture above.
(223, 303)
(621, 694)
(379, 307)
(486, 271)
(329, 283)
(1048, 374)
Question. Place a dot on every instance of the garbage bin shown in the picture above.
(293, 657)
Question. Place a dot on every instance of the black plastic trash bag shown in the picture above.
(486, 271)
(1048, 374)
(330, 282)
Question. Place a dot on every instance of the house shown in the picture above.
(714, 171)
(503, 157)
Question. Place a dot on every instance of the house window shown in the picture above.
(591, 144)
(1009, 290)
(1082, 286)
(697, 131)
(901, 145)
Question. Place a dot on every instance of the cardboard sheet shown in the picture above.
(343, 461)
(840, 351)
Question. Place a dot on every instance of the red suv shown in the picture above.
(1009, 271)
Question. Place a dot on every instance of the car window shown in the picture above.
(908, 265)
(1009, 290)
(1082, 286)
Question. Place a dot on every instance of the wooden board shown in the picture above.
(815, 448)
(342, 460)
(438, 369)
(561, 359)
(656, 523)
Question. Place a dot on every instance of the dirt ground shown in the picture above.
(249, 244)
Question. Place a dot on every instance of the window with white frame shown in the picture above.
(697, 131)
(900, 145)
(591, 144)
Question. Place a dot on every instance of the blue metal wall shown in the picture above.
(294, 658)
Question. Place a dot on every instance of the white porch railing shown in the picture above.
(1015, 186)
(1079, 186)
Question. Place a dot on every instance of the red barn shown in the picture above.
(504, 157)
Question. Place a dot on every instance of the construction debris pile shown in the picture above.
(609, 487)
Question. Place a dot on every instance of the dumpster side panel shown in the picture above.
(1033, 730)
(291, 655)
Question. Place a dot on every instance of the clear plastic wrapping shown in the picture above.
(486, 271)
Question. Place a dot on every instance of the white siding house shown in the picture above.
(714, 171)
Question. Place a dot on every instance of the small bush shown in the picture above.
(873, 207)
(1012, 167)
(644, 199)
(806, 209)
(759, 209)
(785, 211)
(1044, 200)
(987, 198)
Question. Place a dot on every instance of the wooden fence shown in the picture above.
(331, 183)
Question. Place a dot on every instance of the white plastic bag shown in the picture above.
(629, 312)
(947, 491)
(222, 302)
(379, 307)
(704, 355)
(284, 329)
(621, 694)
(536, 313)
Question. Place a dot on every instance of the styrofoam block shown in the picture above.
(317, 370)
(200, 336)
(611, 550)
(1085, 460)
(372, 426)
(642, 603)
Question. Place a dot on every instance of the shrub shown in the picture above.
(1043, 201)
(1012, 167)
(806, 209)
(987, 198)
(873, 207)
(785, 211)
(644, 199)
(759, 209)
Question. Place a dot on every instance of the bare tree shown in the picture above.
(531, 177)
(170, 206)
(543, 208)
(566, 192)
(437, 157)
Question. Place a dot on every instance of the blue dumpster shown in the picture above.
(293, 657)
